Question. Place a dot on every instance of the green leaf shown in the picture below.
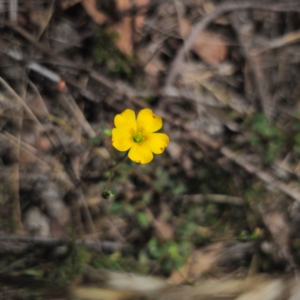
(179, 189)
(95, 140)
(115, 207)
(107, 132)
(143, 220)
(173, 251)
(154, 249)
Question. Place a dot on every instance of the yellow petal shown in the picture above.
(121, 140)
(126, 120)
(157, 142)
(148, 121)
(140, 153)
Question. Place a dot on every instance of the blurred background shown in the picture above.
(216, 216)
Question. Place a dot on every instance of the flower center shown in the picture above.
(138, 137)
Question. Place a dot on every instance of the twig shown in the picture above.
(254, 63)
(112, 171)
(24, 147)
(104, 246)
(13, 10)
(262, 175)
(72, 172)
(116, 86)
(216, 198)
(279, 229)
(21, 101)
(289, 38)
(207, 20)
(101, 151)
(71, 106)
(12, 183)
(44, 71)
(25, 34)
(44, 49)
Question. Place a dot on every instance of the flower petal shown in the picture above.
(157, 142)
(148, 121)
(126, 120)
(140, 153)
(121, 139)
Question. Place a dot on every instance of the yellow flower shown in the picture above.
(138, 135)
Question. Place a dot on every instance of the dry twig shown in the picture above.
(103, 246)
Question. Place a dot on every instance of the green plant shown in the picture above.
(115, 261)
(65, 270)
(168, 185)
(265, 137)
(171, 255)
(109, 56)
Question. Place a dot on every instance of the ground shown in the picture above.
(214, 214)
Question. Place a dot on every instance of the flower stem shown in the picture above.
(106, 194)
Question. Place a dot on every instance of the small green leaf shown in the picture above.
(107, 132)
(143, 220)
(154, 249)
(95, 140)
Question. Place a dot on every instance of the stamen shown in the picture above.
(138, 137)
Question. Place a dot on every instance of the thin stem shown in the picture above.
(112, 171)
